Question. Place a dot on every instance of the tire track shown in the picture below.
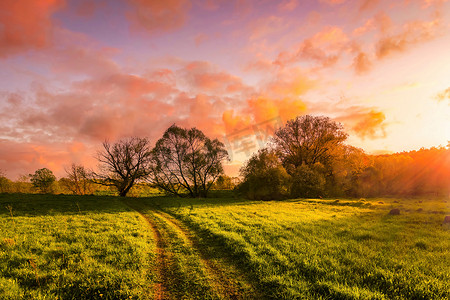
(159, 289)
(222, 283)
(226, 281)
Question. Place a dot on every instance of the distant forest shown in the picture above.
(306, 158)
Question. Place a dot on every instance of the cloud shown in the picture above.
(87, 8)
(362, 63)
(364, 122)
(381, 21)
(288, 5)
(155, 16)
(332, 2)
(203, 77)
(444, 95)
(26, 25)
(324, 48)
(83, 60)
(411, 34)
(263, 27)
(22, 158)
(200, 39)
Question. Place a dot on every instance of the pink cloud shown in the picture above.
(411, 34)
(26, 25)
(203, 77)
(361, 63)
(288, 5)
(156, 16)
(324, 48)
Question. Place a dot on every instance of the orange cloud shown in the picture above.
(19, 158)
(292, 82)
(443, 95)
(324, 48)
(380, 21)
(155, 16)
(364, 123)
(203, 77)
(362, 63)
(412, 33)
(26, 25)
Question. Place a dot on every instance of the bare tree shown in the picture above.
(124, 163)
(79, 179)
(186, 161)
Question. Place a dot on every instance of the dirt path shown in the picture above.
(226, 281)
(219, 280)
(159, 290)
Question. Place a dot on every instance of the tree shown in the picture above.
(78, 180)
(124, 163)
(186, 161)
(43, 179)
(307, 140)
(5, 183)
(264, 178)
(308, 181)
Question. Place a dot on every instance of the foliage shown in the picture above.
(5, 183)
(308, 181)
(79, 180)
(307, 140)
(186, 161)
(124, 163)
(43, 179)
(264, 177)
(225, 182)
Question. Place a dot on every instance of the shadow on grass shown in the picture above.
(48, 204)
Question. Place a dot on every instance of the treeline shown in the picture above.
(308, 158)
(68, 186)
(183, 162)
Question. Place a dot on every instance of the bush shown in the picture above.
(308, 181)
(264, 177)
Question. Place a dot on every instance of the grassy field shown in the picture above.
(73, 247)
(70, 247)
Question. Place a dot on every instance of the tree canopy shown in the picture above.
(186, 161)
(124, 163)
(307, 140)
(43, 179)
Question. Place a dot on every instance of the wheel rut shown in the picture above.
(161, 263)
(225, 280)
(218, 279)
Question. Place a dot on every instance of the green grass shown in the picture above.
(69, 247)
(328, 249)
(92, 247)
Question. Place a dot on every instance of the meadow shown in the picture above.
(91, 247)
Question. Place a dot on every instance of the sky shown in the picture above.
(74, 73)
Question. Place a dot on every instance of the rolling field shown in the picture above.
(69, 247)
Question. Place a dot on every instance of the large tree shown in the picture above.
(187, 161)
(307, 140)
(124, 163)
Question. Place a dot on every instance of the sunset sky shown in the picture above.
(74, 73)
